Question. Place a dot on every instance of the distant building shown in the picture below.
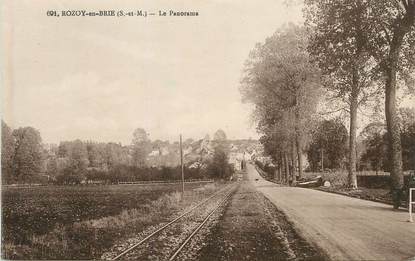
(235, 158)
(154, 153)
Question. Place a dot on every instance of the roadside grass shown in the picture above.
(338, 184)
(377, 191)
(339, 180)
(89, 237)
(336, 178)
(374, 194)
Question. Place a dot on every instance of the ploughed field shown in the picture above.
(81, 222)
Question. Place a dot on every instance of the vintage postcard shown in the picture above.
(214, 130)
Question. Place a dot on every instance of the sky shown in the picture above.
(99, 78)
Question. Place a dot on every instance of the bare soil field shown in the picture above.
(81, 222)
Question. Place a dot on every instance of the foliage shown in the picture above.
(7, 153)
(374, 139)
(284, 85)
(78, 157)
(27, 159)
(219, 167)
(330, 142)
(96, 154)
(219, 135)
(141, 147)
(408, 147)
(52, 166)
(268, 170)
(391, 37)
(123, 173)
(71, 176)
(77, 162)
(339, 45)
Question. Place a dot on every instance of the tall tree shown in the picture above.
(392, 43)
(339, 44)
(7, 152)
(220, 140)
(283, 83)
(141, 146)
(27, 159)
(219, 166)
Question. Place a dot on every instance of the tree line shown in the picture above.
(26, 159)
(347, 56)
(328, 147)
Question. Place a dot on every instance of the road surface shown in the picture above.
(343, 228)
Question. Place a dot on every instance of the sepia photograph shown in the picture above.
(214, 130)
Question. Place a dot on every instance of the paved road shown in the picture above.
(344, 228)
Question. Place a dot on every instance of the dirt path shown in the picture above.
(344, 228)
(251, 228)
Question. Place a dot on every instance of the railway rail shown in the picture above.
(223, 196)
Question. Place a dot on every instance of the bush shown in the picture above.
(70, 177)
(268, 170)
(123, 173)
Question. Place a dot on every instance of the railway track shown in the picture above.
(168, 241)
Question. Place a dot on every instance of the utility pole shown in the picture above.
(181, 163)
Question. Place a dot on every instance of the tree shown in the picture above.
(220, 140)
(141, 146)
(374, 139)
(7, 152)
(219, 166)
(96, 154)
(76, 153)
(407, 129)
(391, 34)
(284, 85)
(406, 119)
(52, 167)
(219, 135)
(328, 146)
(78, 157)
(274, 146)
(206, 138)
(408, 148)
(116, 155)
(27, 159)
(75, 167)
(338, 43)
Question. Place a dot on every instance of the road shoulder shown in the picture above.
(251, 228)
